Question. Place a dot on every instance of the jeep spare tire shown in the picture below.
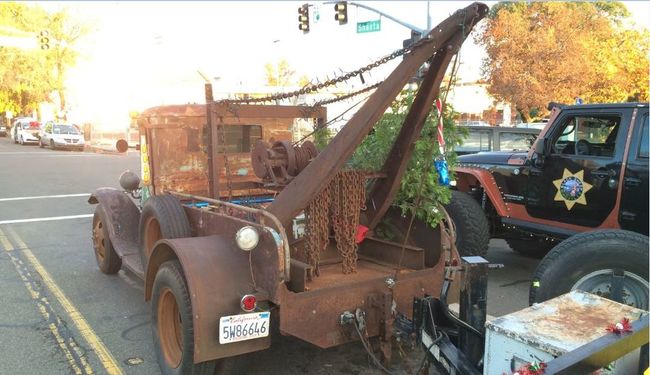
(609, 263)
(472, 231)
(163, 217)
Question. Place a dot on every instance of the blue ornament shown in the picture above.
(443, 171)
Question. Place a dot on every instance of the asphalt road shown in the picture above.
(60, 315)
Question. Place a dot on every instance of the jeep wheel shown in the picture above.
(530, 248)
(472, 232)
(610, 263)
(162, 217)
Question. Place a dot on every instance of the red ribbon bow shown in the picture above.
(623, 327)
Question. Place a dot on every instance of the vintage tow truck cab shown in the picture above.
(582, 190)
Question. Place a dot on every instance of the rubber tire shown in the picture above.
(584, 253)
(472, 229)
(169, 213)
(530, 248)
(112, 262)
(170, 275)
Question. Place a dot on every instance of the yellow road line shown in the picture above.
(105, 357)
(42, 303)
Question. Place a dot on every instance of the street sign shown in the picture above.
(368, 26)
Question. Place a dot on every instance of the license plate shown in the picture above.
(243, 327)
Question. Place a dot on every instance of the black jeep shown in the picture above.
(581, 190)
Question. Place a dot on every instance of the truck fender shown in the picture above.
(468, 176)
(217, 274)
(122, 216)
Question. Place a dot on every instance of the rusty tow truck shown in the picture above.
(236, 231)
(240, 234)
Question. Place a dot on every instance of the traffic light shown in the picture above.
(341, 15)
(44, 39)
(303, 18)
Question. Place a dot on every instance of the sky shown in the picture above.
(142, 54)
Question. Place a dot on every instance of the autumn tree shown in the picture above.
(29, 75)
(281, 74)
(538, 52)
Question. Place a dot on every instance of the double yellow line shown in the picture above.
(76, 360)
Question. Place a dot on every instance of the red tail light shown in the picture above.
(248, 302)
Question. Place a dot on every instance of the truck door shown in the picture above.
(577, 182)
(633, 214)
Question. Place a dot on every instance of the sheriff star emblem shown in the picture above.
(571, 188)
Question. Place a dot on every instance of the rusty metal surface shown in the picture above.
(267, 259)
(178, 146)
(252, 216)
(122, 216)
(217, 275)
(276, 121)
(564, 323)
(314, 315)
(304, 187)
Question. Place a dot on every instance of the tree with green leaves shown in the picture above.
(373, 151)
(538, 52)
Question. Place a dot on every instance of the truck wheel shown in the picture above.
(173, 327)
(472, 232)
(107, 259)
(162, 217)
(595, 262)
(530, 248)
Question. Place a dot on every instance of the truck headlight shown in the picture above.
(247, 238)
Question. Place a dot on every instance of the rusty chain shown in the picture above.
(317, 227)
(347, 96)
(310, 88)
(342, 200)
(348, 198)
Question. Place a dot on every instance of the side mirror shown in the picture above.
(540, 152)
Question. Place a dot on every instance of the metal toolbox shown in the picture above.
(550, 329)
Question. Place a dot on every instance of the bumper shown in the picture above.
(75, 146)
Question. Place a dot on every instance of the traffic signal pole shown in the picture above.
(405, 24)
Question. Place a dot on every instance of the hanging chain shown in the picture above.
(310, 88)
(343, 199)
(347, 96)
(317, 227)
(348, 199)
